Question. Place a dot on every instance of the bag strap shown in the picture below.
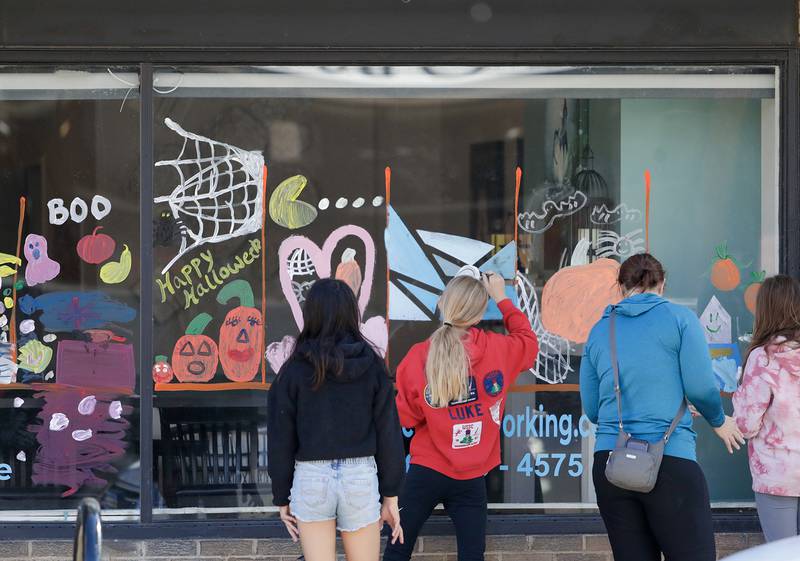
(612, 333)
(674, 424)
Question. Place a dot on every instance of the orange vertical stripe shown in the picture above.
(647, 210)
(13, 326)
(387, 179)
(264, 276)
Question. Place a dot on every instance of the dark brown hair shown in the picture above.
(640, 272)
(330, 317)
(777, 312)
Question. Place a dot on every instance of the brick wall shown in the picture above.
(430, 548)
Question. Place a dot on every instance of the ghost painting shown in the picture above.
(40, 268)
(716, 322)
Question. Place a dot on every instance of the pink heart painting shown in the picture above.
(374, 329)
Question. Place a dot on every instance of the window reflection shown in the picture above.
(431, 156)
(69, 279)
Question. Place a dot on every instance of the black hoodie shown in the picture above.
(350, 416)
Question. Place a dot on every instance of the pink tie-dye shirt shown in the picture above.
(767, 410)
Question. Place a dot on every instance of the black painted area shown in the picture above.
(206, 24)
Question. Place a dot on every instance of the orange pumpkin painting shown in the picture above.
(241, 336)
(195, 356)
(751, 292)
(574, 298)
(725, 273)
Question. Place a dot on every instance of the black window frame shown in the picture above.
(786, 59)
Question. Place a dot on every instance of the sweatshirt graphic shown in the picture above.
(462, 440)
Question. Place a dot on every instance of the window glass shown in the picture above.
(69, 274)
(269, 178)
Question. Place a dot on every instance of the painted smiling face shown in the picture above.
(40, 268)
(241, 336)
(716, 322)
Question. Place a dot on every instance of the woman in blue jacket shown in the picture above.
(663, 358)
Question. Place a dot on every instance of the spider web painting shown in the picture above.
(553, 361)
(219, 195)
(301, 272)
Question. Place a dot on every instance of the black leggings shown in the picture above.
(463, 500)
(673, 518)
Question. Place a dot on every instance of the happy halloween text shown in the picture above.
(200, 276)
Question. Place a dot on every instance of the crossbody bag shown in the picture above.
(634, 463)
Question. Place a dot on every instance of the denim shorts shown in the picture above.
(342, 490)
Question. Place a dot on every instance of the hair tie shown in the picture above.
(448, 324)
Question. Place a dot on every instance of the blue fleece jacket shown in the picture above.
(663, 356)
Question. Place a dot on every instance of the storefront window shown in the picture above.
(69, 276)
(392, 177)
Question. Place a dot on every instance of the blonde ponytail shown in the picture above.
(462, 304)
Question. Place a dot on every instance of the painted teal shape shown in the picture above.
(404, 254)
(503, 262)
(74, 311)
(428, 299)
(493, 312)
(402, 308)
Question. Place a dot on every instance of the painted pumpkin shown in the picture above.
(195, 356)
(574, 299)
(162, 371)
(95, 248)
(241, 335)
(751, 292)
(725, 274)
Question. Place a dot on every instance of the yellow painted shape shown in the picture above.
(114, 272)
(34, 356)
(284, 208)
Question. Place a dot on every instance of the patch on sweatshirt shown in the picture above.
(495, 411)
(493, 383)
(467, 435)
(472, 395)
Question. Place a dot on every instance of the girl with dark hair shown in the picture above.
(335, 444)
(767, 407)
(663, 360)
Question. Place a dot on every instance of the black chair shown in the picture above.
(212, 457)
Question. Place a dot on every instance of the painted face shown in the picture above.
(195, 358)
(34, 251)
(162, 371)
(713, 325)
(240, 342)
(716, 322)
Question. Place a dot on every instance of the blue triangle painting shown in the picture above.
(405, 256)
(503, 262)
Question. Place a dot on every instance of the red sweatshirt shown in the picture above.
(462, 440)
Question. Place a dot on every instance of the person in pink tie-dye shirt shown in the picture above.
(767, 407)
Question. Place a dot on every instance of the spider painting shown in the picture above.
(167, 230)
